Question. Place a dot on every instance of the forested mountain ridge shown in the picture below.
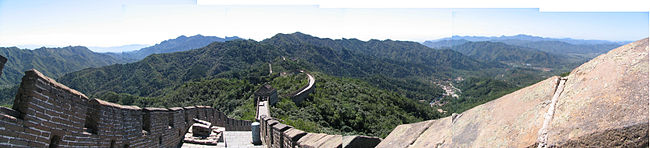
(158, 71)
(53, 62)
(559, 47)
(578, 50)
(508, 54)
(234, 59)
(403, 51)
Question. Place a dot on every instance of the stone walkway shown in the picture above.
(234, 139)
(239, 139)
(190, 145)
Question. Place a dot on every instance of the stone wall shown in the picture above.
(46, 113)
(278, 135)
(304, 92)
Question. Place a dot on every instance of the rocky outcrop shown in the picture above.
(602, 103)
(607, 93)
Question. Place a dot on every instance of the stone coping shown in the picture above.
(110, 104)
(36, 73)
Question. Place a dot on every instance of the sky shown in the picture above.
(37, 23)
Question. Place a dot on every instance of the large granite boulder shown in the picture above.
(602, 103)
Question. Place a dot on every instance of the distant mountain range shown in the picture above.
(531, 38)
(53, 62)
(508, 54)
(347, 57)
(572, 50)
(181, 43)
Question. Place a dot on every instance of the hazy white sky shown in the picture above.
(114, 23)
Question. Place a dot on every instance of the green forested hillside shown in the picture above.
(512, 55)
(245, 59)
(351, 107)
(387, 50)
(234, 59)
(586, 51)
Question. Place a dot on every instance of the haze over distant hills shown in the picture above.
(181, 43)
(530, 38)
(123, 48)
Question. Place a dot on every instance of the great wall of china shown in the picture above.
(46, 113)
(278, 135)
(602, 103)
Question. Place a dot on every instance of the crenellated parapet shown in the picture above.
(47, 113)
(274, 134)
(278, 135)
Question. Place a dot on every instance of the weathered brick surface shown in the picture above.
(278, 130)
(277, 135)
(291, 137)
(46, 112)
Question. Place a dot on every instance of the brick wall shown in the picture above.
(301, 95)
(278, 135)
(48, 113)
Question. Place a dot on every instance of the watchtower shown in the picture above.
(266, 93)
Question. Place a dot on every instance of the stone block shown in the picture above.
(291, 137)
(360, 141)
(201, 130)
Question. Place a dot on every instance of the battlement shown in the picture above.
(47, 113)
(274, 134)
